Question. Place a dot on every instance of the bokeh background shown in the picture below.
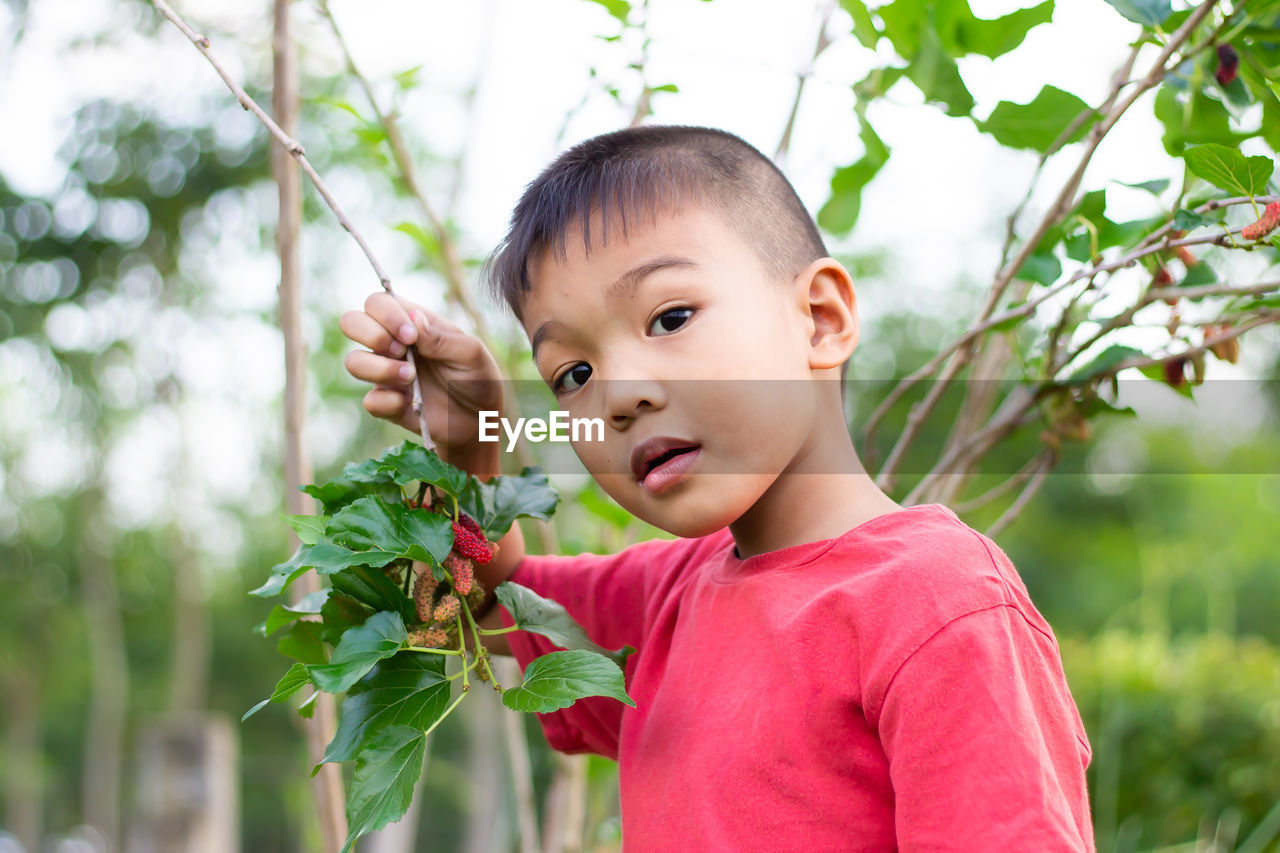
(141, 374)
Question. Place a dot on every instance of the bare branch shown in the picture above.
(295, 148)
(784, 143)
(1037, 480)
(454, 275)
(963, 353)
(1001, 489)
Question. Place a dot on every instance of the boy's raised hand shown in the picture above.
(460, 376)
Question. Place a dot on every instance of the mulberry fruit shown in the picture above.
(1228, 64)
(447, 610)
(469, 540)
(424, 590)
(429, 638)
(1269, 222)
(461, 571)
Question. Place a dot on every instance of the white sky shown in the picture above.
(938, 207)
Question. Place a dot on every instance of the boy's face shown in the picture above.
(697, 361)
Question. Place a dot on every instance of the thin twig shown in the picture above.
(454, 276)
(1000, 490)
(784, 143)
(295, 148)
(964, 353)
(1024, 497)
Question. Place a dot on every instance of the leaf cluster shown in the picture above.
(380, 518)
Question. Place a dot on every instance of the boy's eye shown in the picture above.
(573, 378)
(669, 321)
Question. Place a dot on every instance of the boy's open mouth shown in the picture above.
(656, 452)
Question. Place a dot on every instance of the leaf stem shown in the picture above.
(447, 712)
(432, 651)
(476, 632)
(493, 632)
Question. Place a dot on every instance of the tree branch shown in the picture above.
(295, 148)
(963, 353)
(454, 275)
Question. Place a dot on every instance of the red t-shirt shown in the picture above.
(893, 688)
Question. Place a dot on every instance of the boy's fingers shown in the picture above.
(386, 403)
(393, 315)
(366, 331)
(440, 339)
(369, 367)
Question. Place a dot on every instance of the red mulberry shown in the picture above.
(1269, 222)
(1228, 64)
(469, 540)
(461, 570)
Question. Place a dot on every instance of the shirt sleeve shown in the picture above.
(986, 748)
(614, 597)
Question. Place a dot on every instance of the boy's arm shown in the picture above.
(986, 749)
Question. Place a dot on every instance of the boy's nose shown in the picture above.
(627, 399)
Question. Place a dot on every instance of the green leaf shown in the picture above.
(1228, 169)
(1185, 220)
(1153, 187)
(407, 463)
(283, 574)
(992, 38)
(910, 23)
(936, 76)
(372, 523)
(620, 9)
(841, 211)
(380, 637)
(382, 785)
(283, 614)
(1155, 372)
(1042, 268)
(559, 679)
(1198, 276)
(290, 683)
(1149, 13)
(1039, 124)
(1105, 361)
(543, 616)
(864, 29)
(310, 528)
(374, 589)
(666, 87)
(408, 689)
(340, 491)
(425, 239)
(408, 79)
(302, 642)
(1200, 119)
(496, 505)
(325, 558)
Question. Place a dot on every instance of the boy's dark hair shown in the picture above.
(642, 171)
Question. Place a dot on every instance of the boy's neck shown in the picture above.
(824, 494)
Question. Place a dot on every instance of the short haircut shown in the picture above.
(643, 171)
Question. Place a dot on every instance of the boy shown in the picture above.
(818, 669)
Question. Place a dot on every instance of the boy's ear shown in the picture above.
(826, 293)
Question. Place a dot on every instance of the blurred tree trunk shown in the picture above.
(189, 664)
(24, 770)
(327, 784)
(565, 811)
(109, 682)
